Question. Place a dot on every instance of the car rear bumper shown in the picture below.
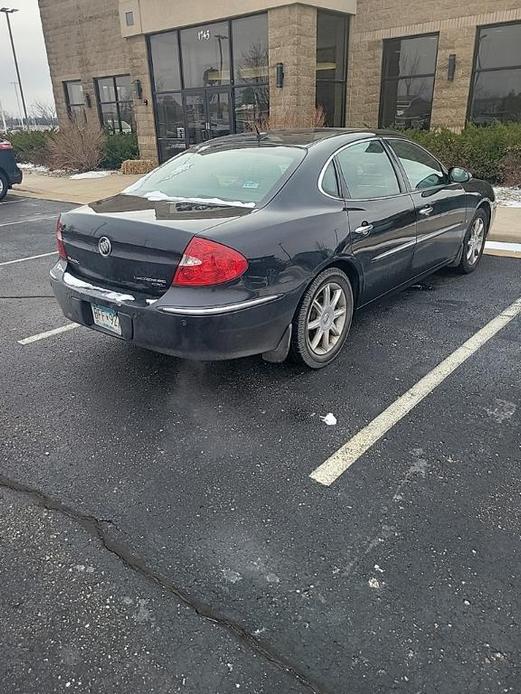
(16, 177)
(226, 332)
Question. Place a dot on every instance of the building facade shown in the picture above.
(180, 73)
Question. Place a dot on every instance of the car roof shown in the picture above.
(298, 137)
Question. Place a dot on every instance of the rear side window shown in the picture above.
(330, 181)
(421, 168)
(368, 171)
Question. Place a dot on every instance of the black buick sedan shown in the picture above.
(267, 243)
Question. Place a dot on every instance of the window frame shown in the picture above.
(116, 102)
(388, 138)
(475, 71)
(69, 105)
(342, 82)
(402, 182)
(231, 87)
(384, 80)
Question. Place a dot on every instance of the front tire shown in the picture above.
(474, 243)
(323, 320)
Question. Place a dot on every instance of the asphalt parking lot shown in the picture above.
(160, 530)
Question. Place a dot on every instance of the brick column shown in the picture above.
(144, 112)
(449, 107)
(292, 41)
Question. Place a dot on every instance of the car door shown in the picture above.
(382, 218)
(440, 205)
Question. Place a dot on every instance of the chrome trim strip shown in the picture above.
(91, 290)
(216, 310)
(376, 138)
(438, 232)
(403, 246)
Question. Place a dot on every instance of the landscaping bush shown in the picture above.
(492, 152)
(31, 147)
(119, 148)
(77, 148)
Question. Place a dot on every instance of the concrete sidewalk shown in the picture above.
(507, 227)
(63, 189)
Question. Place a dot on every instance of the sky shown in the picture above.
(32, 58)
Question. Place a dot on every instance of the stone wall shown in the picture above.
(456, 23)
(83, 41)
(292, 41)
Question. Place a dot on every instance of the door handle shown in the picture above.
(363, 230)
(426, 211)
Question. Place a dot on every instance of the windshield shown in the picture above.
(242, 177)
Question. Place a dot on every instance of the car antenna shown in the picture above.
(259, 136)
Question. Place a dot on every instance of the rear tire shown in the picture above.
(4, 187)
(323, 320)
(474, 243)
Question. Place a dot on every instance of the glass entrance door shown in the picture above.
(207, 115)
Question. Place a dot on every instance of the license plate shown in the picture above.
(106, 318)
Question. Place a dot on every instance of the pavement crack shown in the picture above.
(98, 529)
(29, 296)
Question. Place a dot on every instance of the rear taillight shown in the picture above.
(207, 262)
(59, 240)
(5, 145)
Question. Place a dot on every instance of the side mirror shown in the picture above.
(459, 175)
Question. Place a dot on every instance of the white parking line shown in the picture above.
(340, 461)
(49, 333)
(29, 220)
(30, 257)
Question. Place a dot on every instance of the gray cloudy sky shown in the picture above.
(32, 58)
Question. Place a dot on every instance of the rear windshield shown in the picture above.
(243, 177)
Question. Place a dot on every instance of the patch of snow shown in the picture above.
(33, 167)
(374, 583)
(90, 174)
(231, 576)
(508, 197)
(329, 419)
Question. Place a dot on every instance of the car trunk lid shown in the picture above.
(132, 243)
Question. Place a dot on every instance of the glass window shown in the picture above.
(170, 116)
(330, 181)
(368, 171)
(115, 103)
(164, 52)
(251, 106)
(496, 84)
(331, 67)
(422, 169)
(409, 67)
(245, 175)
(250, 49)
(206, 55)
(74, 99)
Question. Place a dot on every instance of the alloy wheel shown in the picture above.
(476, 241)
(326, 319)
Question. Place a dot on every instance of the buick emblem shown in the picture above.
(104, 246)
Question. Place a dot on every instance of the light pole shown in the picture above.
(8, 11)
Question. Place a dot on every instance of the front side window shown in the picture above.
(368, 171)
(422, 170)
(115, 103)
(206, 55)
(75, 100)
(243, 176)
(331, 67)
(409, 66)
(496, 83)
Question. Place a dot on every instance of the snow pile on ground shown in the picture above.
(33, 167)
(90, 174)
(508, 197)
